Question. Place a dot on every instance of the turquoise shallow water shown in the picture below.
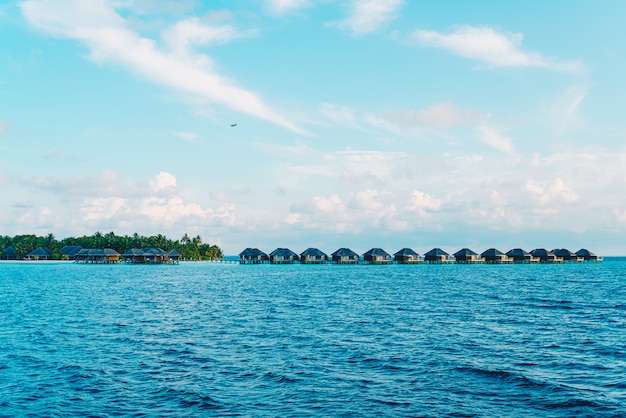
(264, 340)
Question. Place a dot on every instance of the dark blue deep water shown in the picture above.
(230, 340)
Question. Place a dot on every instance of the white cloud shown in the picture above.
(491, 47)
(186, 136)
(440, 115)
(368, 16)
(342, 115)
(491, 136)
(109, 39)
(162, 181)
(183, 35)
(421, 201)
(99, 208)
(285, 6)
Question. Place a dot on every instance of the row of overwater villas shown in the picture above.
(408, 256)
(107, 255)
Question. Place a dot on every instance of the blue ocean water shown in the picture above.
(203, 339)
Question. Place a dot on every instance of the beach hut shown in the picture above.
(345, 256)
(407, 256)
(494, 256)
(313, 256)
(253, 256)
(173, 256)
(545, 256)
(567, 255)
(519, 256)
(466, 256)
(69, 252)
(9, 253)
(436, 256)
(283, 256)
(587, 255)
(40, 253)
(377, 256)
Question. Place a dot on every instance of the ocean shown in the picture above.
(210, 339)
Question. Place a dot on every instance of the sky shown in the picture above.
(317, 123)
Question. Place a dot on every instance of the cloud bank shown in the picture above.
(96, 24)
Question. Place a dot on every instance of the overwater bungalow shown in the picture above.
(345, 256)
(519, 256)
(155, 255)
(253, 256)
(407, 256)
(377, 256)
(283, 256)
(134, 255)
(587, 255)
(40, 253)
(437, 256)
(313, 256)
(69, 252)
(173, 256)
(9, 253)
(466, 256)
(97, 256)
(545, 256)
(567, 255)
(494, 256)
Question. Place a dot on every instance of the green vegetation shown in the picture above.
(189, 248)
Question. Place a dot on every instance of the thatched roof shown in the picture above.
(173, 253)
(564, 252)
(517, 253)
(155, 251)
(313, 252)
(376, 252)
(70, 250)
(252, 252)
(406, 252)
(344, 252)
(541, 253)
(492, 252)
(583, 252)
(436, 252)
(465, 252)
(40, 252)
(283, 252)
(9, 252)
(134, 252)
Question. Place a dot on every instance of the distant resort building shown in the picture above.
(437, 256)
(545, 256)
(407, 256)
(69, 252)
(494, 256)
(519, 256)
(466, 256)
(313, 256)
(377, 256)
(253, 256)
(151, 255)
(9, 253)
(283, 256)
(40, 253)
(587, 255)
(567, 255)
(97, 256)
(345, 256)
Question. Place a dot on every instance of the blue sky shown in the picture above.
(360, 123)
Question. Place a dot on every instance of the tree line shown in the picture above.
(189, 248)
